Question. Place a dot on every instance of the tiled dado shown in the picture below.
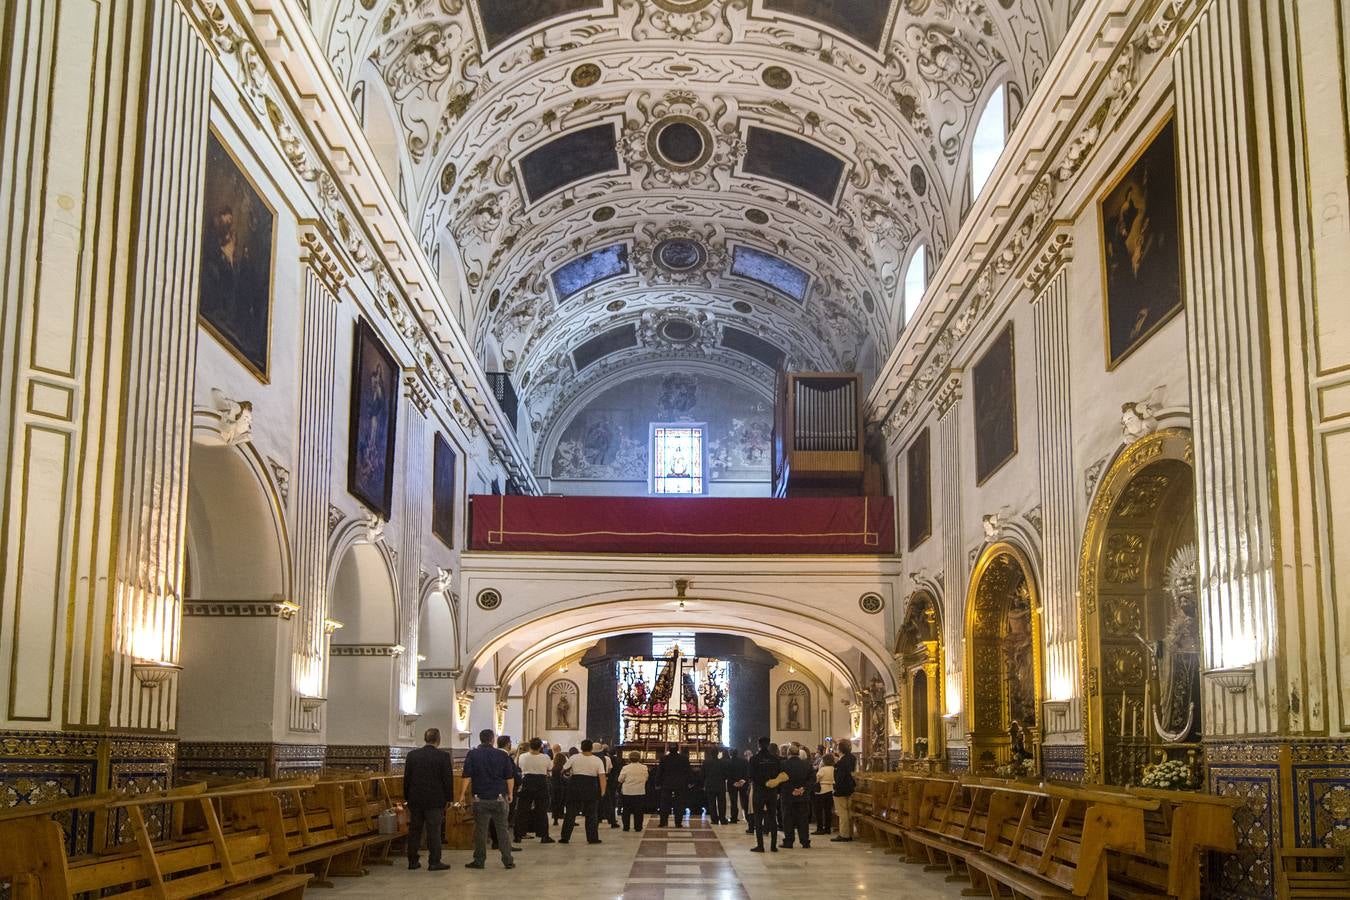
(248, 760)
(958, 759)
(1293, 792)
(1064, 762)
(365, 758)
(41, 767)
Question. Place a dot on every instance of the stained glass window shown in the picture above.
(678, 459)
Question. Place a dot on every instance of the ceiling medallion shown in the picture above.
(742, 307)
(494, 299)
(869, 302)
(680, 142)
(603, 214)
(680, 254)
(757, 216)
(448, 176)
(489, 599)
(585, 75)
(678, 331)
(615, 305)
(918, 180)
(872, 603)
(777, 77)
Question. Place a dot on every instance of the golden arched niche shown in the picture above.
(1003, 658)
(1140, 658)
(918, 656)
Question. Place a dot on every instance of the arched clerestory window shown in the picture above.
(916, 281)
(991, 134)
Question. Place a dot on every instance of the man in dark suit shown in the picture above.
(766, 774)
(428, 785)
(672, 780)
(796, 800)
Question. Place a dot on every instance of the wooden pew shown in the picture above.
(1311, 873)
(1186, 825)
(1050, 842)
(210, 861)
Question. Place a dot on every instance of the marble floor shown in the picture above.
(697, 862)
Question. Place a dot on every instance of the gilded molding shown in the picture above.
(323, 261)
(1057, 254)
(349, 650)
(233, 609)
(948, 394)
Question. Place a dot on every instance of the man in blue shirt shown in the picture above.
(492, 777)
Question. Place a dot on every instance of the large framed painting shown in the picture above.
(992, 383)
(1141, 248)
(918, 498)
(234, 299)
(443, 492)
(374, 421)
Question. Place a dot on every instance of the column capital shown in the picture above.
(317, 253)
(948, 393)
(1056, 253)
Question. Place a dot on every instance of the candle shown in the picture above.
(1147, 708)
(1122, 713)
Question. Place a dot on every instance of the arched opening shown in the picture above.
(991, 134)
(381, 131)
(236, 641)
(1140, 616)
(919, 656)
(916, 282)
(1003, 662)
(363, 659)
(438, 663)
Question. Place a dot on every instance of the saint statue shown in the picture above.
(1017, 742)
(564, 713)
(794, 712)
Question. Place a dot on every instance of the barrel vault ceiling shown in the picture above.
(623, 182)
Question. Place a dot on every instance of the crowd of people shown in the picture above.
(520, 791)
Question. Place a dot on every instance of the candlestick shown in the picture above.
(1122, 713)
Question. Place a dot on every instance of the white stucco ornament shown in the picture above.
(236, 418)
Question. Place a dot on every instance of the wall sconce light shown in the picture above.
(310, 704)
(680, 605)
(151, 673)
(331, 625)
(1234, 680)
(562, 669)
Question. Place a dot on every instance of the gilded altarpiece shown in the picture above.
(1003, 659)
(1140, 622)
(918, 656)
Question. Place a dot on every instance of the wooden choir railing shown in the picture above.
(1010, 839)
(250, 839)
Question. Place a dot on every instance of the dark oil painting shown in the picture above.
(1141, 248)
(995, 407)
(235, 296)
(443, 492)
(918, 496)
(374, 419)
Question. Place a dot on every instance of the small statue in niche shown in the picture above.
(794, 712)
(1017, 743)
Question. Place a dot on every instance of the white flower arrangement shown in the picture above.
(1016, 770)
(1168, 775)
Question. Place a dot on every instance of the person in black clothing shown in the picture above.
(796, 797)
(672, 778)
(504, 745)
(609, 803)
(844, 784)
(585, 786)
(738, 787)
(715, 785)
(766, 775)
(556, 790)
(428, 785)
(532, 798)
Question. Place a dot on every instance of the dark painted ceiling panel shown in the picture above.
(611, 341)
(862, 20)
(754, 347)
(793, 161)
(770, 271)
(504, 18)
(591, 268)
(572, 157)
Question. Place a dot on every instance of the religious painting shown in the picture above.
(235, 292)
(443, 492)
(793, 161)
(570, 158)
(563, 710)
(794, 706)
(995, 407)
(374, 418)
(1141, 249)
(918, 498)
